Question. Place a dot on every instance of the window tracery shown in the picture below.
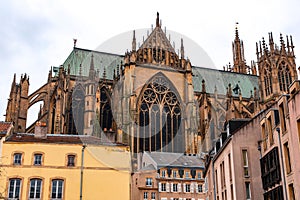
(284, 77)
(159, 118)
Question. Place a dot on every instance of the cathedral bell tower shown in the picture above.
(277, 67)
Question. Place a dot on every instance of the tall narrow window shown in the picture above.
(217, 183)
(153, 196)
(264, 136)
(229, 163)
(145, 195)
(248, 190)
(14, 188)
(57, 189)
(35, 189)
(287, 158)
(245, 163)
(284, 77)
(270, 132)
(76, 112)
(282, 117)
(105, 115)
(268, 82)
(159, 118)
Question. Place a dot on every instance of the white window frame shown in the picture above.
(57, 188)
(153, 195)
(18, 158)
(36, 180)
(174, 173)
(145, 195)
(163, 187)
(149, 182)
(187, 188)
(15, 196)
(38, 161)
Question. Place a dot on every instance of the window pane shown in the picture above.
(14, 188)
(57, 187)
(37, 159)
(18, 159)
(35, 188)
(71, 160)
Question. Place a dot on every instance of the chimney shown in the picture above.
(40, 130)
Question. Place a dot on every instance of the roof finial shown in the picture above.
(75, 41)
(157, 19)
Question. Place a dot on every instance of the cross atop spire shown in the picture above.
(236, 31)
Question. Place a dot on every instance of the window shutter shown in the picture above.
(197, 191)
(168, 187)
(192, 187)
(179, 187)
(171, 187)
(184, 187)
(159, 187)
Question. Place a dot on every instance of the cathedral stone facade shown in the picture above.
(153, 98)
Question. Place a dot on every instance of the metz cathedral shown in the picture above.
(152, 98)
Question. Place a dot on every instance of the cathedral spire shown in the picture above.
(271, 43)
(182, 49)
(239, 64)
(157, 19)
(133, 42)
(92, 67)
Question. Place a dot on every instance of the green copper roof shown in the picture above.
(221, 79)
(101, 60)
(213, 78)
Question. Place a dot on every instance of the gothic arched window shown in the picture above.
(284, 77)
(159, 118)
(105, 115)
(268, 82)
(76, 113)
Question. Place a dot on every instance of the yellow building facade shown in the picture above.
(63, 167)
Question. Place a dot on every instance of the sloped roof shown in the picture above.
(101, 60)
(164, 159)
(4, 127)
(221, 79)
(58, 139)
(148, 168)
(158, 39)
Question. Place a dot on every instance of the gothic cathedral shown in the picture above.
(152, 98)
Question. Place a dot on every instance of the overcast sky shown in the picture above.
(36, 35)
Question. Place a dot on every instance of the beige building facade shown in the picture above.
(63, 167)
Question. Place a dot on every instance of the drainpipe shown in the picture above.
(213, 177)
(282, 164)
(81, 170)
